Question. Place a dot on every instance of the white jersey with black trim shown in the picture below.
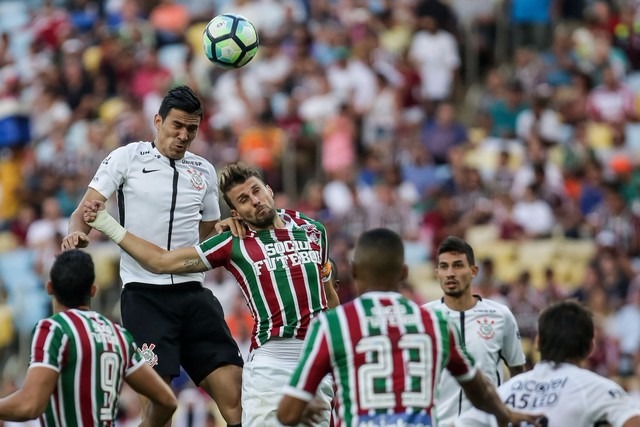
(489, 333)
(566, 394)
(160, 200)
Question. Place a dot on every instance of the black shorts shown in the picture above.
(177, 325)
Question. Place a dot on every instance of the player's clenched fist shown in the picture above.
(90, 210)
(77, 239)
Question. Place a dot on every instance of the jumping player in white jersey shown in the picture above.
(280, 266)
(567, 394)
(80, 359)
(488, 330)
(169, 196)
(386, 352)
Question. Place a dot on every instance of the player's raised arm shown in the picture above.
(153, 258)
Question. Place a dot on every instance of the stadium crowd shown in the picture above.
(513, 125)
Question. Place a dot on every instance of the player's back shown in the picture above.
(387, 352)
(92, 356)
(566, 394)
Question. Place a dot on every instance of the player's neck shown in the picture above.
(278, 222)
(462, 303)
(58, 308)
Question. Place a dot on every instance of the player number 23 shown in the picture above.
(381, 368)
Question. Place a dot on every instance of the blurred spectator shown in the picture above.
(629, 338)
(439, 11)
(616, 277)
(51, 25)
(169, 19)
(572, 100)
(352, 80)
(388, 210)
(552, 290)
(440, 221)
(69, 194)
(44, 235)
(262, 144)
(131, 28)
(240, 322)
(434, 52)
(443, 133)
(49, 113)
(19, 226)
(11, 182)
(149, 75)
(613, 219)
(531, 22)
(504, 219)
(539, 120)
(605, 357)
(528, 68)
(338, 142)
(419, 169)
(504, 112)
(626, 35)
(312, 203)
(611, 102)
(525, 305)
(221, 284)
(503, 175)
(381, 120)
(533, 214)
(559, 61)
(486, 284)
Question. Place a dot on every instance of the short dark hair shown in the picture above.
(72, 276)
(456, 244)
(382, 251)
(235, 174)
(565, 332)
(334, 273)
(181, 98)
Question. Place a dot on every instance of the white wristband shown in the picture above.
(107, 224)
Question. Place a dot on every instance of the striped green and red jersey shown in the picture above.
(386, 354)
(92, 356)
(279, 272)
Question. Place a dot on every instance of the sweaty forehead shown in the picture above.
(245, 187)
(449, 257)
(183, 117)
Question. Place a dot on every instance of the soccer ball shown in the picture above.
(230, 40)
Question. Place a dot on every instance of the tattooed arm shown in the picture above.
(153, 258)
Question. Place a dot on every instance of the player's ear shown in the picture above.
(474, 270)
(405, 273)
(270, 190)
(354, 270)
(94, 289)
(592, 346)
(234, 213)
(157, 121)
(49, 287)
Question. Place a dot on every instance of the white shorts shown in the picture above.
(264, 377)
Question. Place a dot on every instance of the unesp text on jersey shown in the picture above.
(287, 254)
(395, 315)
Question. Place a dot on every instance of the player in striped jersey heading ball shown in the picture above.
(280, 265)
(80, 359)
(386, 353)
